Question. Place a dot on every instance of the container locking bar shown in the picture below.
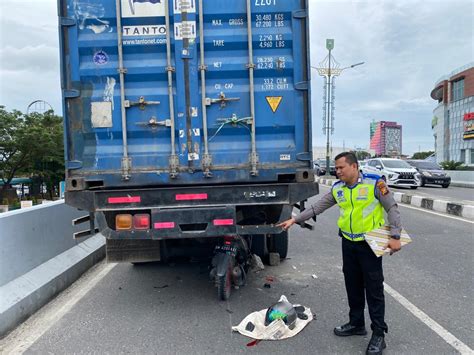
(173, 159)
(207, 158)
(126, 161)
(253, 159)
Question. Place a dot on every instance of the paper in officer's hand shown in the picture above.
(378, 240)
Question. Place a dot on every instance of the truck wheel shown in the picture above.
(224, 285)
(259, 245)
(280, 244)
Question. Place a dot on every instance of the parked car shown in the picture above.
(319, 167)
(431, 173)
(395, 172)
(362, 164)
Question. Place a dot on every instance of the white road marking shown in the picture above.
(22, 338)
(433, 325)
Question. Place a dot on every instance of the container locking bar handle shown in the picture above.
(251, 66)
(126, 161)
(207, 158)
(173, 160)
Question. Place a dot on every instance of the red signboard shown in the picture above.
(468, 126)
(469, 116)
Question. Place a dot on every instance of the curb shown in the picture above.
(443, 206)
(23, 296)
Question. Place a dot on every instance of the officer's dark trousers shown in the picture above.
(363, 276)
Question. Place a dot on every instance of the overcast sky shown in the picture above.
(406, 47)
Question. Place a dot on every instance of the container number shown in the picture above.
(265, 2)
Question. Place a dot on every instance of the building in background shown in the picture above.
(453, 118)
(373, 128)
(386, 139)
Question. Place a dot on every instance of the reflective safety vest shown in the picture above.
(359, 210)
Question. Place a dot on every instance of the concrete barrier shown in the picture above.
(461, 178)
(39, 258)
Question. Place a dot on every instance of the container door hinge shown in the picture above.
(126, 168)
(302, 85)
(303, 156)
(67, 21)
(300, 14)
(71, 93)
(74, 165)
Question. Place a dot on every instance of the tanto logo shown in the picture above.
(143, 8)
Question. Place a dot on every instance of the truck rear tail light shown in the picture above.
(223, 222)
(189, 197)
(124, 199)
(123, 222)
(164, 225)
(141, 221)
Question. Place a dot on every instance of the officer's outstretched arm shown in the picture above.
(320, 206)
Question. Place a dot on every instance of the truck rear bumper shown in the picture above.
(195, 212)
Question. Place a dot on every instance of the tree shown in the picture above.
(31, 145)
(451, 165)
(362, 155)
(422, 155)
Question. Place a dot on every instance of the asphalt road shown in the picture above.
(167, 309)
(452, 193)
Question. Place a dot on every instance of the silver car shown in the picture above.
(395, 172)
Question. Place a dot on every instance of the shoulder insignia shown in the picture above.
(382, 186)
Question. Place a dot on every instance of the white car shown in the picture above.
(395, 172)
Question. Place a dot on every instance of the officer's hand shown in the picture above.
(394, 245)
(286, 224)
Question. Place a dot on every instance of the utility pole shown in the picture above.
(329, 68)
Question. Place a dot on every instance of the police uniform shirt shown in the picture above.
(382, 194)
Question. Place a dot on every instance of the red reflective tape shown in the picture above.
(128, 199)
(223, 222)
(164, 225)
(188, 197)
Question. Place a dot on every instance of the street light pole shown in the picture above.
(326, 70)
(329, 126)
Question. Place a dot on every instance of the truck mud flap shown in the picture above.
(130, 250)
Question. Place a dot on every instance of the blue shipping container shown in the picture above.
(172, 92)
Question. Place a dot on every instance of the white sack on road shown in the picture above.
(276, 330)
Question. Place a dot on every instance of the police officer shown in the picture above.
(361, 199)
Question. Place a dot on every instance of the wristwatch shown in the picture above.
(396, 237)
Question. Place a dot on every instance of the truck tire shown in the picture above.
(259, 246)
(280, 244)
